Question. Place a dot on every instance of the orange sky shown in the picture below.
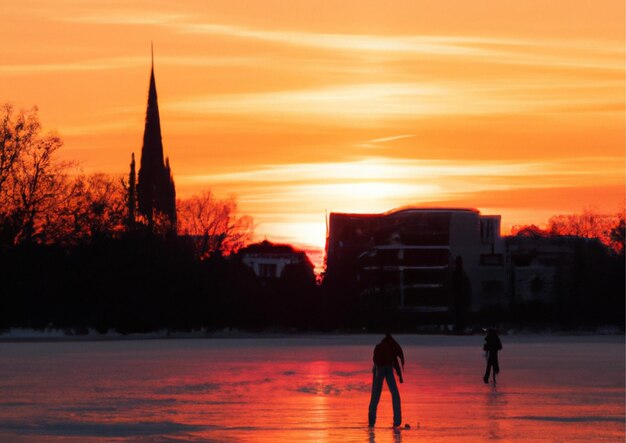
(300, 107)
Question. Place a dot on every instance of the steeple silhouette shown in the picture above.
(156, 193)
(132, 194)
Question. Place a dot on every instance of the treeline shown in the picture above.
(141, 283)
(73, 254)
(609, 229)
(47, 201)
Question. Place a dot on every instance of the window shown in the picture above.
(487, 230)
(267, 270)
(491, 259)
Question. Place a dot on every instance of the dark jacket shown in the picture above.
(387, 352)
(492, 345)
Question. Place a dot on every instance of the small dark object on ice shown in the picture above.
(407, 426)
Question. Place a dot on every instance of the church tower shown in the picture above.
(156, 194)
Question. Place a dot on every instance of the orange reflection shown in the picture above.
(310, 389)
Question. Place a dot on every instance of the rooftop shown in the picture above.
(410, 209)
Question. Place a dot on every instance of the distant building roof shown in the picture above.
(266, 247)
(408, 209)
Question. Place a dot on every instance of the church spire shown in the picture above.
(155, 186)
(132, 194)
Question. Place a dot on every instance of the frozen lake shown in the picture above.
(309, 389)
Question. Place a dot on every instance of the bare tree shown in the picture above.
(618, 235)
(30, 175)
(215, 223)
(87, 206)
(607, 228)
(528, 231)
(588, 224)
(12, 132)
(16, 133)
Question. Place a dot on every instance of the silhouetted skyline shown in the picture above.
(514, 108)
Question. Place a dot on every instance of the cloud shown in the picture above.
(585, 54)
(127, 16)
(74, 66)
(119, 63)
(352, 102)
(383, 168)
(345, 102)
(347, 42)
(390, 139)
(581, 54)
(360, 103)
(377, 184)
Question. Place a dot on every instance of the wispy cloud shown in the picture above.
(361, 101)
(390, 139)
(379, 143)
(74, 66)
(378, 184)
(497, 50)
(127, 16)
(346, 42)
(381, 170)
(117, 63)
(376, 101)
(607, 55)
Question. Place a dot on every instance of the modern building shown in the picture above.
(541, 266)
(408, 256)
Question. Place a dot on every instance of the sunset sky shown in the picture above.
(301, 107)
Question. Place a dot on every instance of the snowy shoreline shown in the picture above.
(60, 335)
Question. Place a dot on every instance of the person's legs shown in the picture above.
(487, 372)
(395, 396)
(377, 387)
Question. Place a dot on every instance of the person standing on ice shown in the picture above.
(386, 356)
(492, 346)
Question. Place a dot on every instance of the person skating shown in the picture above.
(491, 347)
(386, 356)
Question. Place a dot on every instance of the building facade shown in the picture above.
(541, 266)
(409, 256)
(269, 260)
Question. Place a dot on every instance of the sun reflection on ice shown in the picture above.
(308, 389)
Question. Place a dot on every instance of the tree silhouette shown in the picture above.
(214, 223)
(30, 176)
(588, 224)
(96, 207)
(618, 235)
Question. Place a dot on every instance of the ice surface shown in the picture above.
(309, 389)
